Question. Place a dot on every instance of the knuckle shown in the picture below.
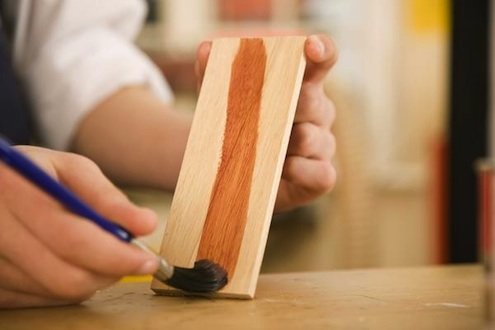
(316, 96)
(79, 161)
(307, 137)
(312, 95)
(289, 168)
(327, 179)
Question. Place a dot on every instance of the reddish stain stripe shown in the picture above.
(227, 213)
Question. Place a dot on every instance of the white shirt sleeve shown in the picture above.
(72, 54)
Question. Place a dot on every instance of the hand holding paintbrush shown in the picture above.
(50, 253)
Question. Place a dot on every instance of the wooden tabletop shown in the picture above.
(409, 298)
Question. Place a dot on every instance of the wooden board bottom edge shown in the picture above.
(217, 295)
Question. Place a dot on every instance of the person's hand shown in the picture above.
(49, 256)
(308, 170)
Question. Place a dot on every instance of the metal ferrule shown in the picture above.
(165, 271)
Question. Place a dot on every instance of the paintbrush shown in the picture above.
(205, 277)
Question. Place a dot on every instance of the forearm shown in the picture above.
(135, 138)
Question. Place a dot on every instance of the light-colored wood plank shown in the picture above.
(232, 166)
(410, 298)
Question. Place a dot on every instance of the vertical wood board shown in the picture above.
(233, 162)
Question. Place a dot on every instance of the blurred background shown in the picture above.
(401, 72)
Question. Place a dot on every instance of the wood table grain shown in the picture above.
(443, 297)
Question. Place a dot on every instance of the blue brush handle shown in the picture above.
(36, 175)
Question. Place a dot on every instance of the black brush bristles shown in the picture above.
(205, 277)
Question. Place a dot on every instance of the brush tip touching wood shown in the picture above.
(205, 277)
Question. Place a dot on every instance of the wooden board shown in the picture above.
(233, 162)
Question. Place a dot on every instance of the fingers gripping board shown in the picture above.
(224, 200)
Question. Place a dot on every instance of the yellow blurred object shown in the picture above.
(428, 16)
(136, 279)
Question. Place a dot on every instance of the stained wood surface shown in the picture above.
(411, 298)
(232, 166)
(226, 218)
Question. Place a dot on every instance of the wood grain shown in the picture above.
(232, 166)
